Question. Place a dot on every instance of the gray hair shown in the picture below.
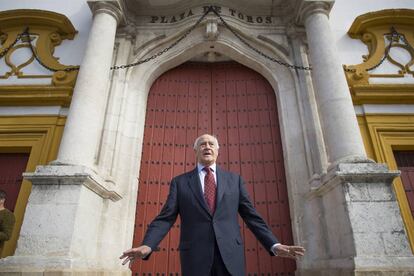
(197, 141)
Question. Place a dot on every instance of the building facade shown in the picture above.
(312, 103)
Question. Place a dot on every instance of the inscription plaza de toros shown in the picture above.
(221, 10)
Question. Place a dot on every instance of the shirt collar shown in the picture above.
(200, 167)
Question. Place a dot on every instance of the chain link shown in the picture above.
(406, 42)
(394, 34)
(124, 66)
(210, 9)
(68, 69)
(296, 67)
(167, 48)
(7, 49)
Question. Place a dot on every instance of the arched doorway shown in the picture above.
(237, 105)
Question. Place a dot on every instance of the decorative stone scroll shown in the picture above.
(383, 31)
(46, 30)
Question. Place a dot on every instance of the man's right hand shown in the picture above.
(135, 253)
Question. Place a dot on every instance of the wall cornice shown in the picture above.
(309, 7)
(111, 7)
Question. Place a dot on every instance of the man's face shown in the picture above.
(206, 151)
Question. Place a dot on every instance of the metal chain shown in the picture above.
(210, 9)
(406, 42)
(167, 48)
(394, 34)
(296, 67)
(68, 69)
(6, 50)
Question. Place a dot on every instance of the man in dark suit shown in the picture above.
(208, 200)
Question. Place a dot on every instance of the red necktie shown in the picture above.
(210, 189)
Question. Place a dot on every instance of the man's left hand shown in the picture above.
(289, 251)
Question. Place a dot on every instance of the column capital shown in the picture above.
(309, 7)
(294, 31)
(111, 7)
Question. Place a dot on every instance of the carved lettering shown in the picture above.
(218, 9)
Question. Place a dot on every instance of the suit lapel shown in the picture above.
(221, 186)
(195, 187)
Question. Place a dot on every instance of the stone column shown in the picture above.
(83, 127)
(353, 224)
(340, 127)
(70, 218)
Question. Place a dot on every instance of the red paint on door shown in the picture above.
(12, 165)
(237, 105)
(405, 163)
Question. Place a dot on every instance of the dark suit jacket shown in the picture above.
(200, 230)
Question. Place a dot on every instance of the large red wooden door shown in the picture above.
(12, 165)
(238, 106)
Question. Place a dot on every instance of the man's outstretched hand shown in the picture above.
(289, 251)
(135, 253)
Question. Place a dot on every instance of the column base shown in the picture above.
(63, 174)
(71, 223)
(55, 266)
(35, 271)
(355, 224)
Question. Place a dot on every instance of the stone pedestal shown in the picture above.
(66, 225)
(355, 225)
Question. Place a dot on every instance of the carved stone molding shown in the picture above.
(58, 174)
(381, 31)
(111, 7)
(309, 7)
(46, 31)
(212, 30)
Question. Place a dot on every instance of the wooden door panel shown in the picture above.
(12, 165)
(405, 163)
